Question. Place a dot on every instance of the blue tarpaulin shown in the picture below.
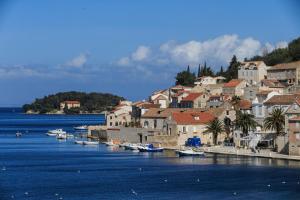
(193, 142)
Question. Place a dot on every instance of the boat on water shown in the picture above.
(90, 142)
(122, 145)
(130, 146)
(61, 136)
(149, 148)
(81, 128)
(70, 136)
(79, 142)
(190, 152)
(18, 134)
(110, 143)
(55, 132)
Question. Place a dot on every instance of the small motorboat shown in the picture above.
(149, 148)
(61, 136)
(55, 132)
(130, 146)
(70, 136)
(79, 142)
(110, 143)
(90, 142)
(122, 145)
(190, 152)
(81, 128)
(18, 134)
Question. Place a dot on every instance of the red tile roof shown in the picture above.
(263, 92)
(295, 118)
(281, 66)
(191, 97)
(245, 104)
(161, 97)
(197, 118)
(286, 99)
(233, 83)
(166, 112)
(272, 83)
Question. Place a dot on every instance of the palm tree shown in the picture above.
(215, 127)
(275, 121)
(245, 122)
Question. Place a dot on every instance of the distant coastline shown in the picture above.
(73, 103)
(30, 112)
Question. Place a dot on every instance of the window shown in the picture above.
(155, 123)
(110, 123)
(146, 124)
(227, 112)
(260, 110)
(110, 117)
(146, 138)
(184, 129)
(116, 123)
(297, 136)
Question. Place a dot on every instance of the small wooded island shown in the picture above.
(72, 103)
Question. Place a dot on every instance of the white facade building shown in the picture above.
(252, 72)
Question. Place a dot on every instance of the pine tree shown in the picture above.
(232, 70)
(199, 71)
(204, 69)
(221, 71)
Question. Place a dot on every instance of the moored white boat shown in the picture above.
(90, 143)
(18, 134)
(190, 152)
(61, 136)
(110, 143)
(78, 141)
(55, 132)
(70, 136)
(83, 127)
(123, 144)
(130, 146)
(149, 148)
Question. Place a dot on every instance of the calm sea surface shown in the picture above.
(39, 167)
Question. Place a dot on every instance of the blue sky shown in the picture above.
(129, 47)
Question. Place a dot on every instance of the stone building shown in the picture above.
(252, 72)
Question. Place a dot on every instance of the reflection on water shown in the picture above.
(170, 156)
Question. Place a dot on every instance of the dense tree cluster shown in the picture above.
(185, 78)
(90, 102)
(282, 55)
(205, 70)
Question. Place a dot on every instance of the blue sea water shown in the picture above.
(38, 167)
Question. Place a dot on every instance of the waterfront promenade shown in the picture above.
(248, 152)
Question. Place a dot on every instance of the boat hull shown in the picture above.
(131, 148)
(51, 134)
(190, 153)
(78, 142)
(90, 143)
(151, 149)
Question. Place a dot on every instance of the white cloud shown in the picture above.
(281, 44)
(125, 61)
(216, 52)
(141, 53)
(78, 61)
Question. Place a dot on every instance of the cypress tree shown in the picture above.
(199, 71)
